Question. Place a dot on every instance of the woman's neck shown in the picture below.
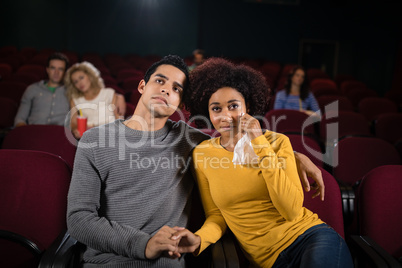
(294, 90)
(229, 141)
(91, 94)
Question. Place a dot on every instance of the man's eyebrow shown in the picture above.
(162, 76)
(178, 84)
(165, 77)
(231, 101)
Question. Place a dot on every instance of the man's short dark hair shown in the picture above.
(175, 61)
(58, 56)
(199, 51)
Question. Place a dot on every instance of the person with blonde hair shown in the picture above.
(88, 97)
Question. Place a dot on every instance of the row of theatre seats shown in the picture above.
(362, 200)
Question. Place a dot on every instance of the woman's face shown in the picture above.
(225, 107)
(298, 77)
(81, 81)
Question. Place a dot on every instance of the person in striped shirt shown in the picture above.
(296, 95)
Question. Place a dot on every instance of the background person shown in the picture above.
(45, 102)
(85, 87)
(296, 95)
(198, 59)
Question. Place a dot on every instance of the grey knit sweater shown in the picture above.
(126, 185)
(39, 106)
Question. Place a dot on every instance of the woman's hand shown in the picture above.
(306, 168)
(76, 133)
(250, 125)
(188, 241)
(120, 105)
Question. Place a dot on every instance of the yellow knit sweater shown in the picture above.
(261, 203)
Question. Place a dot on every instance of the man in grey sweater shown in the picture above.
(45, 102)
(131, 185)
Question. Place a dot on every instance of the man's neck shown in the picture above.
(143, 120)
(52, 84)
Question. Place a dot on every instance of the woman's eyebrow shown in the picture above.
(230, 101)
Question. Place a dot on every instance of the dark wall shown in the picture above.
(104, 26)
(367, 34)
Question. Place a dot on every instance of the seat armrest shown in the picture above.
(348, 202)
(364, 248)
(22, 240)
(65, 251)
(224, 254)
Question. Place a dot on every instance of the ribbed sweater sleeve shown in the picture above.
(25, 106)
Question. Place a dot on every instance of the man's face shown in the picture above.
(198, 59)
(162, 93)
(55, 71)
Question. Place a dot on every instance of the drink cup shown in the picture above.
(81, 124)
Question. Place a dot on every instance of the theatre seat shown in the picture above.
(33, 204)
(355, 156)
(379, 217)
(53, 139)
(285, 120)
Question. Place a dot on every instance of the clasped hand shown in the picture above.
(171, 242)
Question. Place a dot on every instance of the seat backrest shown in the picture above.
(348, 85)
(131, 83)
(324, 91)
(374, 106)
(359, 155)
(322, 82)
(313, 73)
(8, 110)
(379, 202)
(182, 114)
(285, 120)
(127, 73)
(24, 77)
(343, 104)
(348, 123)
(33, 200)
(389, 127)
(38, 70)
(307, 146)
(12, 89)
(395, 96)
(329, 210)
(340, 78)
(5, 70)
(47, 138)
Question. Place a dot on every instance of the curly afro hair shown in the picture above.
(216, 73)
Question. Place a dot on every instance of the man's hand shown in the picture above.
(189, 242)
(306, 168)
(162, 242)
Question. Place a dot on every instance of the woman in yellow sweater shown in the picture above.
(261, 199)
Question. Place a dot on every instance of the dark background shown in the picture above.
(367, 35)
